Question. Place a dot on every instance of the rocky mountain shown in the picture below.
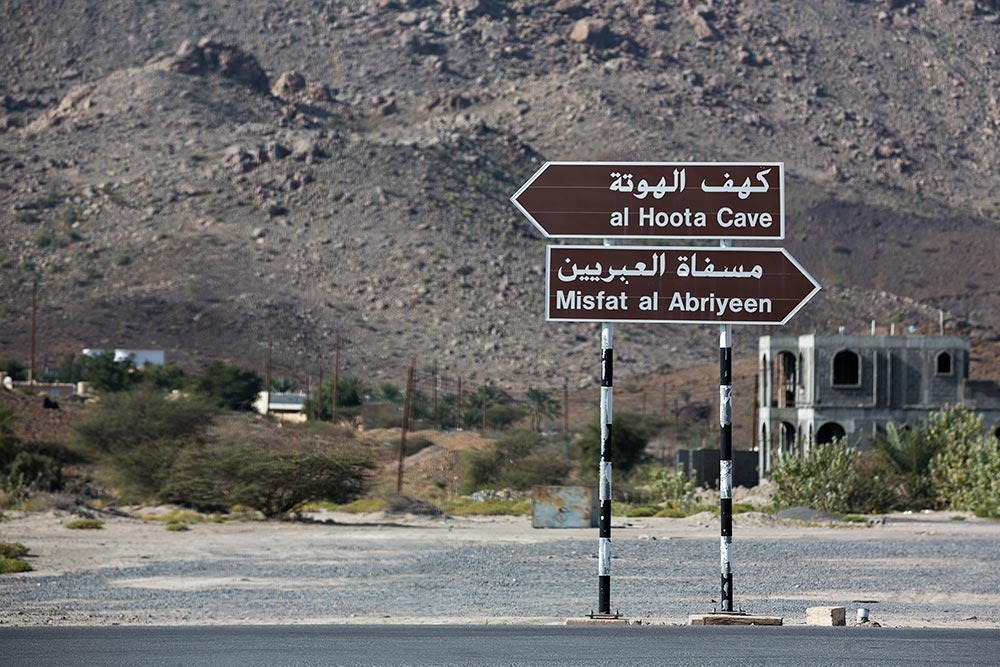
(203, 176)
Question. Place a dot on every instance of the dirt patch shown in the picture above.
(434, 470)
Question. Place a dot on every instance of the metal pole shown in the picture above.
(565, 408)
(34, 310)
(336, 378)
(484, 410)
(267, 380)
(726, 461)
(319, 394)
(604, 545)
(407, 404)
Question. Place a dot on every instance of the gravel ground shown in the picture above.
(912, 571)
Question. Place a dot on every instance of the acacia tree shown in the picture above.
(628, 443)
(273, 481)
(142, 432)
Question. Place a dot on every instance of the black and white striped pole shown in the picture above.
(604, 546)
(726, 461)
(604, 535)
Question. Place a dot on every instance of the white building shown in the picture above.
(140, 358)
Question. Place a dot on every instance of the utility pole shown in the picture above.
(458, 407)
(34, 312)
(267, 379)
(319, 394)
(407, 407)
(336, 377)
(434, 383)
(565, 407)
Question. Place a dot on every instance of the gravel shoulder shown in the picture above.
(921, 570)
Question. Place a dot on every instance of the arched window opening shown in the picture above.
(944, 364)
(788, 442)
(786, 380)
(829, 432)
(846, 369)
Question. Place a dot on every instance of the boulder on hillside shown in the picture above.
(590, 31)
(703, 29)
(211, 57)
(293, 87)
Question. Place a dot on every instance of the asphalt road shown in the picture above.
(508, 646)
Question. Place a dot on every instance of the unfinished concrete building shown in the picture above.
(814, 389)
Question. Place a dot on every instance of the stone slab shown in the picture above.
(734, 619)
(827, 616)
(601, 621)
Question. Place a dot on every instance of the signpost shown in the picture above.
(677, 285)
(608, 283)
(667, 200)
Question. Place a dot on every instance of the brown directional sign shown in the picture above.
(674, 284)
(667, 200)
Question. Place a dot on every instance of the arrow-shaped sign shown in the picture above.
(692, 200)
(674, 284)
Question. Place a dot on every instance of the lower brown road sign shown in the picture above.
(674, 284)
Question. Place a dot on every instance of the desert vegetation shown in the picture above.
(948, 462)
(160, 435)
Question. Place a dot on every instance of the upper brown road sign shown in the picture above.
(667, 200)
(674, 284)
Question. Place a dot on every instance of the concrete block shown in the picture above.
(826, 616)
(733, 619)
(564, 507)
(601, 621)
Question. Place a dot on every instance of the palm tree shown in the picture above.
(542, 406)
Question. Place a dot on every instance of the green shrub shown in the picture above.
(640, 511)
(273, 482)
(167, 376)
(28, 466)
(676, 489)
(12, 550)
(102, 372)
(229, 386)
(85, 524)
(417, 444)
(14, 368)
(359, 506)
(671, 513)
(629, 436)
(910, 450)
(489, 507)
(177, 526)
(14, 566)
(965, 474)
(519, 460)
(142, 432)
(834, 478)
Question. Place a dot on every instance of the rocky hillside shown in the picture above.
(201, 176)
